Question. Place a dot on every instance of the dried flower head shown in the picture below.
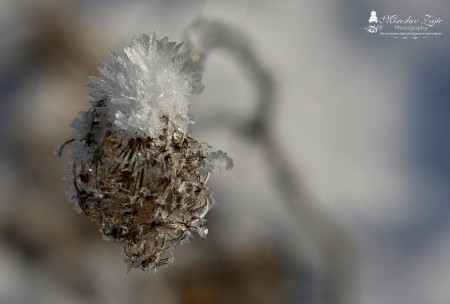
(135, 171)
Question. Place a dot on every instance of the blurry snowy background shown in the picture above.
(361, 120)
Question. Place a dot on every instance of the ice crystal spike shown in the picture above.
(135, 170)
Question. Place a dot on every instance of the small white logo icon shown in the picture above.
(373, 23)
(373, 17)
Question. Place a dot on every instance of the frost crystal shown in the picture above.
(135, 171)
(147, 81)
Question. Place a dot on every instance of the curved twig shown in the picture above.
(337, 284)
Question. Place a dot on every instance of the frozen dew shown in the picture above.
(202, 232)
(220, 160)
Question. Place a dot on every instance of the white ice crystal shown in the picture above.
(149, 80)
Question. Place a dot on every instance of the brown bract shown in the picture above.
(148, 194)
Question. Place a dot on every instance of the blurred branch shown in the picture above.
(337, 283)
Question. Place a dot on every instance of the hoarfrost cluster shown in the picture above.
(135, 170)
(147, 81)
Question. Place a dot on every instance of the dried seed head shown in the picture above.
(135, 171)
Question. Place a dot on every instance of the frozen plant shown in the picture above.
(134, 169)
